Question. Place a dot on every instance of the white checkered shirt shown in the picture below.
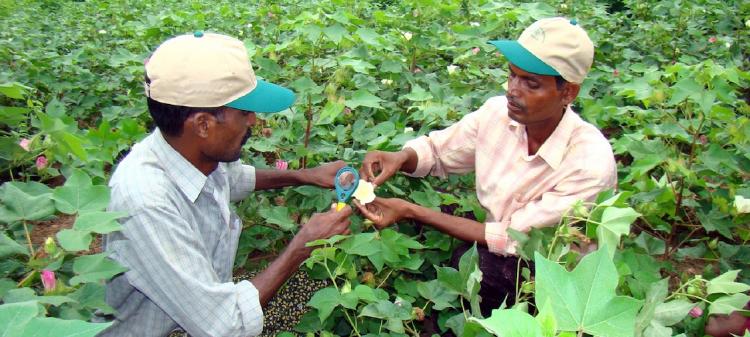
(519, 191)
(178, 241)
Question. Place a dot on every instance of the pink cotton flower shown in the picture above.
(616, 73)
(475, 50)
(24, 143)
(712, 39)
(696, 312)
(41, 162)
(48, 280)
(281, 165)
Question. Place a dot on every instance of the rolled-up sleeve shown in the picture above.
(241, 180)
(170, 265)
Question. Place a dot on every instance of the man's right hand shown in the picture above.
(325, 225)
(378, 166)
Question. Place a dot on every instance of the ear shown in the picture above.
(570, 92)
(200, 123)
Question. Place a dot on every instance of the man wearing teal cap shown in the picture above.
(180, 236)
(532, 154)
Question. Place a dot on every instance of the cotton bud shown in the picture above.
(41, 162)
(451, 69)
(386, 81)
(282, 165)
(407, 35)
(50, 247)
(474, 24)
(696, 312)
(48, 280)
(25, 144)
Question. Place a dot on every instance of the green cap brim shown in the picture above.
(265, 98)
(522, 58)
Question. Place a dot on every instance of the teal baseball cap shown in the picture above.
(553, 46)
(211, 70)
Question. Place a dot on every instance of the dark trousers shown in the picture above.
(499, 275)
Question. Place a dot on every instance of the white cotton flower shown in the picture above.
(386, 81)
(563, 6)
(249, 25)
(365, 192)
(408, 129)
(742, 204)
(728, 45)
(102, 31)
(452, 69)
(474, 24)
(407, 35)
(747, 23)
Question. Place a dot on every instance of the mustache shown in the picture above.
(515, 102)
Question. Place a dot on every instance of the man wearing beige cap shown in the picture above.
(532, 154)
(180, 235)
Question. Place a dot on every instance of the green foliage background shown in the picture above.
(669, 87)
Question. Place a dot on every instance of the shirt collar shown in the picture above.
(187, 177)
(554, 148)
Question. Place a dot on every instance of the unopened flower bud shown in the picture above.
(49, 246)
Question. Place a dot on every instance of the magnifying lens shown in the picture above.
(347, 179)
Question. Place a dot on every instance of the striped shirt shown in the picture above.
(178, 241)
(519, 191)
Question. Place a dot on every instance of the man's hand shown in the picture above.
(325, 225)
(323, 175)
(320, 226)
(378, 166)
(384, 212)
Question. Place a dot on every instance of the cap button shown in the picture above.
(198, 33)
(574, 22)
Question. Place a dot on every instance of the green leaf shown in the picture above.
(75, 145)
(418, 94)
(91, 296)
(728, 304)
(434, 291)
(547, 322)
(363, 97)
(94, 268)
(655, 296)
(9, 247)
(672, 312)
(14, 317)
(13, 90)
(329, 113)
(724, 284)
(615, 223)
(74, 240)
(27, 294)
(98, 222)
(358, 66)
(48, 326)
(278, 215)
(18, 205)
(336, 33)
(585, 298)
(79, 194)
(511, 323)
(325, 300)
(451, 279)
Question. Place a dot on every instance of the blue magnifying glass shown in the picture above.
(347, 179)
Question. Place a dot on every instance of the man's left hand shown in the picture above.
(323, 175)
(384, 212)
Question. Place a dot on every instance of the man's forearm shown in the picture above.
(272, 278)
(270, 179)
(458, 227)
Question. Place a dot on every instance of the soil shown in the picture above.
(44, 229)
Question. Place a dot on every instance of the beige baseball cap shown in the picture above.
(210, 70)
(552, 46)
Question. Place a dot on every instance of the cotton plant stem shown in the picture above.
(28, 238)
